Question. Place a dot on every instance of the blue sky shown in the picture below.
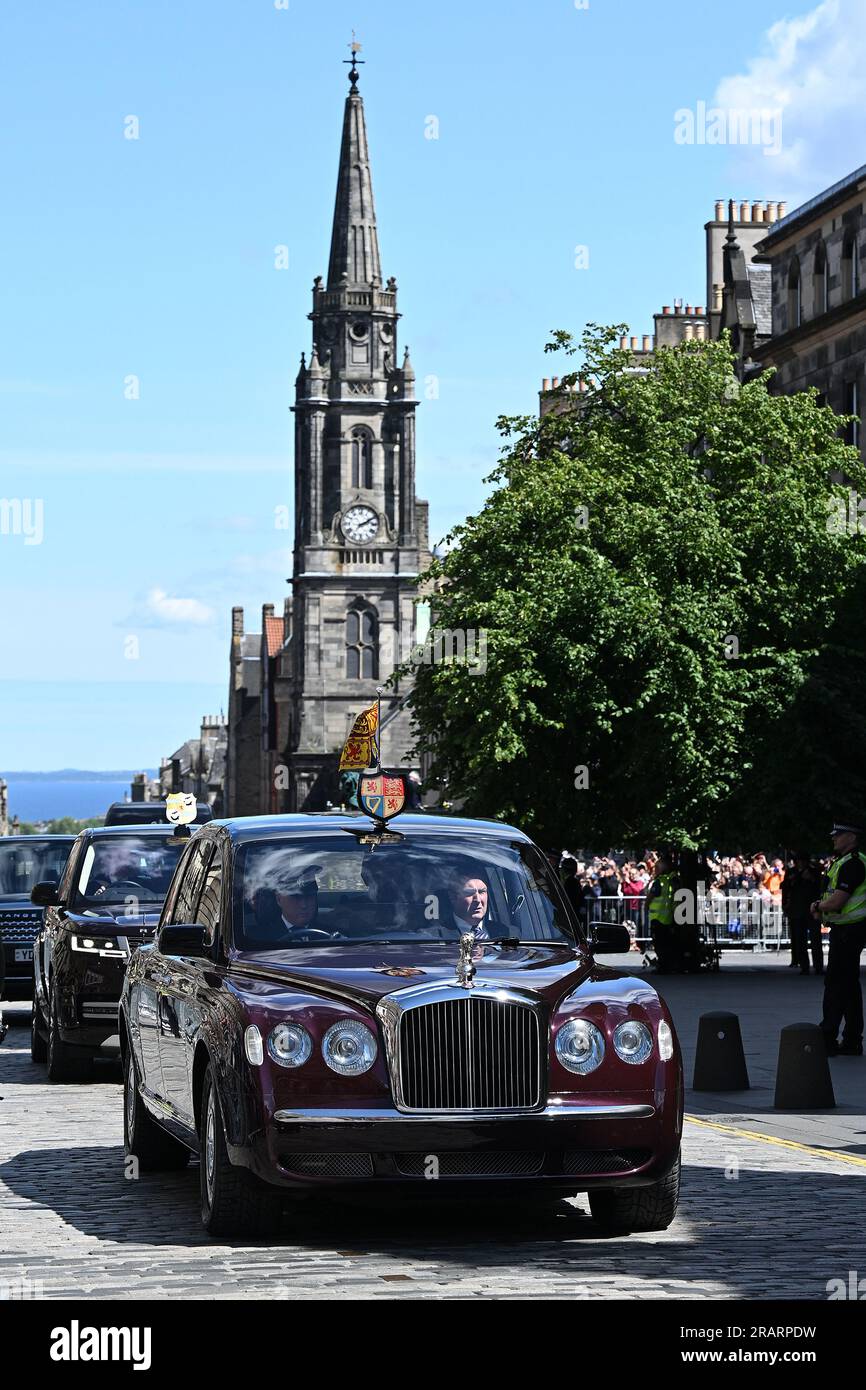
(154, 258)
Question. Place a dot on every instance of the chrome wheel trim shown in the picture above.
(210, 1147)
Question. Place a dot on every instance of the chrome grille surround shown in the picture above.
(455, 1050)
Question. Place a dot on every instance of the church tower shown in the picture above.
(361, 534)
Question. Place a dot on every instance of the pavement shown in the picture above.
(771, 1207)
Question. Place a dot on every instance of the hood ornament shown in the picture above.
(465, 965)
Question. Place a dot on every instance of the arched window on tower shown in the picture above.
(362, 644)
(794, 295)
(819, 281)
(850, 267)
(362, 459)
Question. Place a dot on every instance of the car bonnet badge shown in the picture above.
(465, 964)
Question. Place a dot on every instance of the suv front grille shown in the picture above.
(20, 927)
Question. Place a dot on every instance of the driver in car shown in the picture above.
(290, 909)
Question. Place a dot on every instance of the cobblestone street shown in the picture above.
(763, 1217)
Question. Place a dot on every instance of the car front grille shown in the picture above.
(582, 1161)
(20, 928)
(329, 1165)
(469, 1165)
(470, 1053)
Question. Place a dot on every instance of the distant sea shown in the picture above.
(48, 796)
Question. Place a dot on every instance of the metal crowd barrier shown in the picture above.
(741, 921)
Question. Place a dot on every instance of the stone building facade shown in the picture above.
(817, 260)
(361, 533)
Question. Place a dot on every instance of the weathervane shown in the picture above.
(354, 49)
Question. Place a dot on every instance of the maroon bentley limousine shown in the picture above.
(331, 1003)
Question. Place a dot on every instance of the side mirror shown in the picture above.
(44, 895)
(607, 938)
(182, 939)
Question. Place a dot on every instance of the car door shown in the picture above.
(52, 920)
(146, 997)
(177, 1017)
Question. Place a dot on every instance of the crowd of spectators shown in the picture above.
(592, 881)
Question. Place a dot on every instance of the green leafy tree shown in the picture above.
(673, 609)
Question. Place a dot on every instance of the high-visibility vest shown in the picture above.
(661, 904)
(855, 908)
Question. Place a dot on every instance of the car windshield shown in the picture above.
(419, 887)
(24, 863)
(128, 869)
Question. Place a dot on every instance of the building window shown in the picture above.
(362, 459)
(819, 281)
(362, 645)
(852, 407)
(850, 267)
(794, 295)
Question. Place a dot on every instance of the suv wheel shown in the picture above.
(623, 1210)
(65, 1063)
(38, 1045)
(231, 1201)
(142, 1137)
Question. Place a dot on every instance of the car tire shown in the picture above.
(231, 1202)
(143, 1140)
(622, 1211)
(65, 1063)
(38, 1045)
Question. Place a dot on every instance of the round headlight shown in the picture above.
(349, 1048)
(580, 1046)
(289, 1044)
(632, 1041)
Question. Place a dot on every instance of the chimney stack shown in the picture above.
(718, 293)
(237, 622)
(772, 212)
(623, 342)
(666, 308)
(745, 212)
(720, 209)
(634, 347)
(545, 383)
(647, 342)
(555, 383)
(783, 208)
(757, 212)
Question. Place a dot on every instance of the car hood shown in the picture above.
(116, 920)
(364, 974)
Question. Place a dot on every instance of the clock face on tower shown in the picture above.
(360, 524)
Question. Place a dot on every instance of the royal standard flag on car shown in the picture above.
(362, 746)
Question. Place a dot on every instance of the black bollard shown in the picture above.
(803, 1080)
(720, 1064)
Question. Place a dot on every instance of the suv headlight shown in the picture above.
(289, 1044)
(580, 1046)
(349, 1047)
(97, 946)
(632, 1041)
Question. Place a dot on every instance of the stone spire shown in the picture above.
(354, 260)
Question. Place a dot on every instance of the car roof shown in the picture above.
(242, 829)
(66, 839)
(107, 832)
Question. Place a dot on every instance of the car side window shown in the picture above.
(208, 914)
(64, 890)
(190, 887)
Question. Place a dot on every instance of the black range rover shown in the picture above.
(25, 860)
(106, 904)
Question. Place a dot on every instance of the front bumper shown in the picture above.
(566, 1147)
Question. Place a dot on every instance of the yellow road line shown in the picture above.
(833, 1154)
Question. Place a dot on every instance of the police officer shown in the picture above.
(660, 903)
(844, 907)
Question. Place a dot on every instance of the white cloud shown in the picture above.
(160, 609)
(813, 68)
